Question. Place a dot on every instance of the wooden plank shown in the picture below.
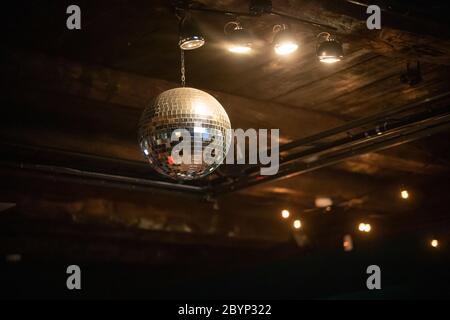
(339, 83)
(281, 77)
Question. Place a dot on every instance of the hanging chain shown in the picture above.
(183, 71)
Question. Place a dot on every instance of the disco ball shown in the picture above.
(189, 109)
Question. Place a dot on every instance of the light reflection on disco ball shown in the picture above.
(183, 108)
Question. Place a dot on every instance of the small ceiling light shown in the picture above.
(404, 194)
(434, 243)
(285, 214)
(297, 224)
(323, 202)
(328, 49)
(284, 42)
(240, 40)
(364, 227)
(347, 243)
(190, 36)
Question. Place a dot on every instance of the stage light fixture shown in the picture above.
(328, 49)
(284, 42)
(285, 213)
(190, 36)
(434, 243)
(239, 39)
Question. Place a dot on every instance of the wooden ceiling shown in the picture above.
(83, 91)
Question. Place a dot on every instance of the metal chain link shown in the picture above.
(183, 71)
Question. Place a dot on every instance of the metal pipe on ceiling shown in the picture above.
(364, 121)
(100, 179)
(417, 128)
(388, 127)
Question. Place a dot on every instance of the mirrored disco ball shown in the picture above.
(190, 109)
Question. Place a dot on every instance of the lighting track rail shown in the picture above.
(240, 40)
(191, 6)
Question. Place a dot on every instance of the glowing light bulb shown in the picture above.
(434, 243)
(297, 224)
(240, 49)
(285, 48)
(239, 39)
(329, 59)
(285, 214)
(404, 194)
(364, 227)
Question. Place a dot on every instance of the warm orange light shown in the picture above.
(285, 214)
(348, 243)
(434, 243)
(297, 224)
(404, 194)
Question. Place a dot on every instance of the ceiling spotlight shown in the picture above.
(190, 36)
(239, 39)
(364, 227)
(285, 214)
(297, 224)
(284, 42)
(434, 243)
(404, 194)
(328, 49)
